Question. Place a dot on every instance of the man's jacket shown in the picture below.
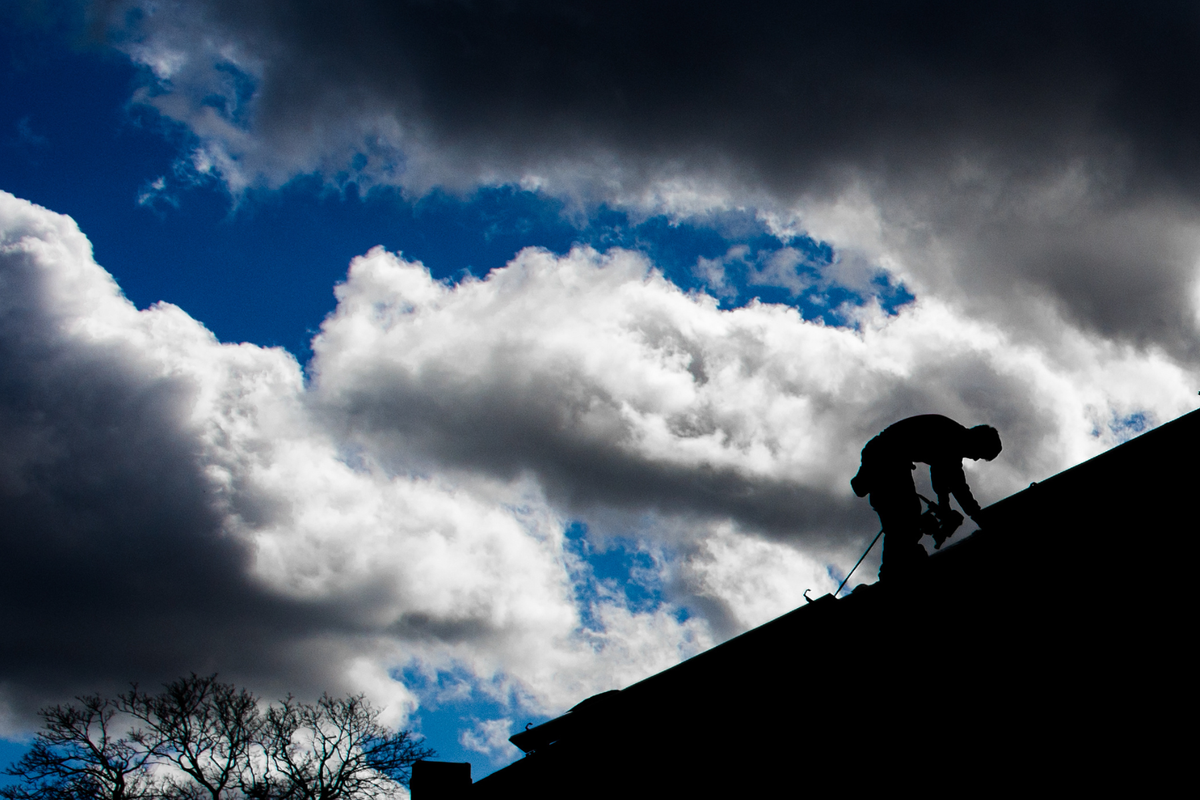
(931, 439)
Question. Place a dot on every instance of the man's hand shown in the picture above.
(950, 520)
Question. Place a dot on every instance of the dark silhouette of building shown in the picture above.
(1045, 654)
(444, 780)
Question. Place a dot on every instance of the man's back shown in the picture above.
(929, 438)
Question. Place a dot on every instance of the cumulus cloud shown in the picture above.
(618, 390)
(1006, 151)
(173, 503)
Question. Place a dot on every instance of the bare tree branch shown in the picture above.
(77, 755)
(200, 739)
(203, 727)
(337, 748)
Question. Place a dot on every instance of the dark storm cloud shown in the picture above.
(962, 120)
(104, 513)
(789, 90)
(113, 564)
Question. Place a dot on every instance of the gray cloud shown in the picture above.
(622, 397)
(111, 546)
(792, 91)
(1012, 149)
(170, 506)
(506, 430)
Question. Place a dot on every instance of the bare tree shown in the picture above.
(78, 755)
(200, 739)
(205, 728)
(337, 749)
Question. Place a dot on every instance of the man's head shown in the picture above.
(983, 441)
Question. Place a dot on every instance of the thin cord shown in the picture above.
(860, 560)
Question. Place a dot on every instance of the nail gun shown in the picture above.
(940, 522)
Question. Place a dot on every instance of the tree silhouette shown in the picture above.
(337, 749)
(77, 754)
(200, 739)
(204, 728)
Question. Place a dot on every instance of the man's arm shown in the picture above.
(949, 478)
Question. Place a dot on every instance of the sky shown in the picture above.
(483, 356)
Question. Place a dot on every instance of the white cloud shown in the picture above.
(597, 354)
(781, 269)
(756, 579)
(490, 737)
(268, 547)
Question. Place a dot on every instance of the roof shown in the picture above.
(1026, 651)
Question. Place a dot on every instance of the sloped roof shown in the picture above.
(1025, 652)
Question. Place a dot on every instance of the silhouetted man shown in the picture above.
(886, 474)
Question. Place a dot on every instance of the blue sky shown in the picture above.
(261, 268)
(499, 482)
